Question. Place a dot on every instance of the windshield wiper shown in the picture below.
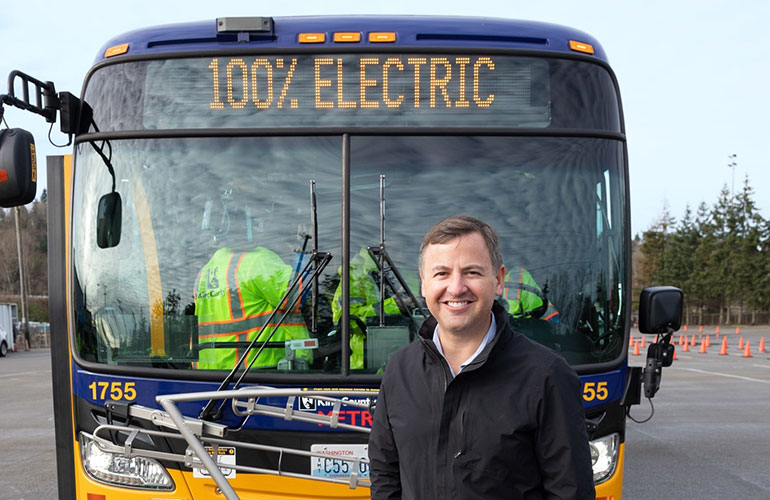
(396, 282)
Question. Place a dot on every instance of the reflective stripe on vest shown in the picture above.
(221, 308)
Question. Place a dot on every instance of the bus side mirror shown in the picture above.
(660, 309)
(108, 220)
(18, 167)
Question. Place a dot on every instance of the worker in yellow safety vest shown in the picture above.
(364, 303)
(235, 294)
(525, 298)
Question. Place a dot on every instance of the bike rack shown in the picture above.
(198, 433)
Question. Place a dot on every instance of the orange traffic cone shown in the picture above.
(681, 339)
(740, 343)
(723, 352)
(692, 341)
(674, 358)
(644, 341)
(717, 328)
(708, 340)
(702, 348)
(737, 330)
(631, 342)
(762, 344)
(685, 327)
(700, 329)
(686, 347)
(636, 348)
(747, 352)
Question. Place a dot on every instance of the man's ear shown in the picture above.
(500, 277)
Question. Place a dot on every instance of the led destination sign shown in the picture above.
(347, 90)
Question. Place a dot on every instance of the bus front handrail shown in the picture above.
(197, 433)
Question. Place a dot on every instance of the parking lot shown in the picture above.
(27, 446)
(708, 438)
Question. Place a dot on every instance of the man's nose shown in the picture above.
(456, 285)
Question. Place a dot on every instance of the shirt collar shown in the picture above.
(487, 339)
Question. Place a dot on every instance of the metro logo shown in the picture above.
(351, 417)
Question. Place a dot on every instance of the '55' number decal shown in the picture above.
(595, 390)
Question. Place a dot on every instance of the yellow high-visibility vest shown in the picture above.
(235, 294)
(364, 300)
(521, 301)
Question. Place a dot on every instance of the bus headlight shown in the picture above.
(604, 457)
(117, 469)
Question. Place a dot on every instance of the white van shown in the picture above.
(8, 318)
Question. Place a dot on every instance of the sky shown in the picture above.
(694, 76)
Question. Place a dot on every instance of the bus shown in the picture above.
(233, 242)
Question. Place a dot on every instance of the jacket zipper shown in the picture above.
(437, 357)
(462, 435)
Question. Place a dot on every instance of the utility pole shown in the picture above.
(733, 163)
(22, 280)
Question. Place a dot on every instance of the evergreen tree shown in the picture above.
(652, 265)
(750, 269)
(679, 258)
(704, 280)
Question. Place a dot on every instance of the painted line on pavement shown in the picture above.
(24, 373)
(724, 375)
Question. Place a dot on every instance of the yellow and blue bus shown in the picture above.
(233, 240)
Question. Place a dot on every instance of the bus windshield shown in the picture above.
(215, 228)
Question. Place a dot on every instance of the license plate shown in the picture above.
(225, 456)
(335, 468)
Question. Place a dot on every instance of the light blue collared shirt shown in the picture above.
(487, 339)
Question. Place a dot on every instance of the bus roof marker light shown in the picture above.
(347, 37)
(586, 48)
(116, 50)
(382, 37)
(312, 37)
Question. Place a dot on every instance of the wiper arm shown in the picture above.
(319, 261)
(396, 282)
(380, 256)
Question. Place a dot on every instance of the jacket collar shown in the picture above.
(502, 335)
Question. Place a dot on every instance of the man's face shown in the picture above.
(459, 284)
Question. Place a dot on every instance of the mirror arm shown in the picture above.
(106, 159)
(659, 355)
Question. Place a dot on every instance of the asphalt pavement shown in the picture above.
(27, 443)
(709, 438)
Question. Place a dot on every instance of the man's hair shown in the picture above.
(460, 225)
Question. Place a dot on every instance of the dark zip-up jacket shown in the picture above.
(511, 425)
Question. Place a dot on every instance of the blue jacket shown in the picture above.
(511, 425)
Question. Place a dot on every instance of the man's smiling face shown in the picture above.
(459, 284)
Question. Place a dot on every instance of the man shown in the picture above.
(526, 299)
(236, 291)
(364, 303)
(474, 410)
